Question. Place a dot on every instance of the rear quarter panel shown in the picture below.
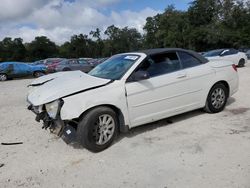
(225, 72)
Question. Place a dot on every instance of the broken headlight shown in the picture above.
(53, 108)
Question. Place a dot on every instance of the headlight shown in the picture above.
(53, 108)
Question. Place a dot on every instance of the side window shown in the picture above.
(233, 51)
(161, 64)
(226, 52)
(82, 62)
(11, 67)
(188, 60)
(71, 62)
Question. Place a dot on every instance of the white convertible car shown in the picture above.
(129, 90)
(238, 58)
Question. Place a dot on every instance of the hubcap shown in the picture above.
(3, 77)
(104, 129)
(218, 98)
(38, 74)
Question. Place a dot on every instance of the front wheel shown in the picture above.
(98, 129)
(38, 74)
(66, 69)
(217, 98)
(3, 77)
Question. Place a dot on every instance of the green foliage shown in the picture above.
(207, 24)
(41, 48)
(12, 49)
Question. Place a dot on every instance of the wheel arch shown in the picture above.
(66, 68)
(225, 83)
(35, 71)
(122, 126)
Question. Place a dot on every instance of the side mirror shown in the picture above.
(140, 75)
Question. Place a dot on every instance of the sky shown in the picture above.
(60, 19)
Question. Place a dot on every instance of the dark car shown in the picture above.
(246, 51)
(16, 70)
(74, 64)
(248, 54)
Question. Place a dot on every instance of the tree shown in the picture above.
(12, 49)
(42, 48)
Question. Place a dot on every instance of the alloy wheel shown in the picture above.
(3, 77)
(218, 98)
(104, 129)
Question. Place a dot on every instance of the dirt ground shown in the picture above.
(196, 150)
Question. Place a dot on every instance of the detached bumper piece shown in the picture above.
(56, 126)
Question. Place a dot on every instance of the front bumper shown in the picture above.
(56, 126)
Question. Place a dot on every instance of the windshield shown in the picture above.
(115, 67)
(213, 53)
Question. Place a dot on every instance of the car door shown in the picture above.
(197, 81)
(162, 95)
(73, 65)
(85, 66)
(21, 70)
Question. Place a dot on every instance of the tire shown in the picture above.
(241, 63)
(217, 98)
(66, 69)
(3, 77)
(38, 74)
(91, 133)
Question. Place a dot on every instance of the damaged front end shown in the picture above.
(49, 114)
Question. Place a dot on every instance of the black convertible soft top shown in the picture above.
(155, 51)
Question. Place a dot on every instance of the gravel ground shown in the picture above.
(196, 150)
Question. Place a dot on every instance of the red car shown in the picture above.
(50, 63)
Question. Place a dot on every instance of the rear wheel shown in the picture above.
(3, 77)
(66, 69)
(98, 129)
(241, 63)
(38, 74)
(217, 98)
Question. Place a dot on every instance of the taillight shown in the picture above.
(234, 67)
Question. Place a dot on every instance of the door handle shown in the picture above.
(181, 75)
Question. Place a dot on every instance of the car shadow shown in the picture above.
(230, 101)
(165, 122)
(158, 124)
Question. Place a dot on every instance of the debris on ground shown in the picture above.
(13, 143)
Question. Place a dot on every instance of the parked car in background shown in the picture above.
(73, 64)
(85, 58)
(238, 58)
(10, 70)
(248, 54)
(97, 61)
(51, 63)
(129, 90)
(39, 62)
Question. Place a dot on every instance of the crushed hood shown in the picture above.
(54, 86)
